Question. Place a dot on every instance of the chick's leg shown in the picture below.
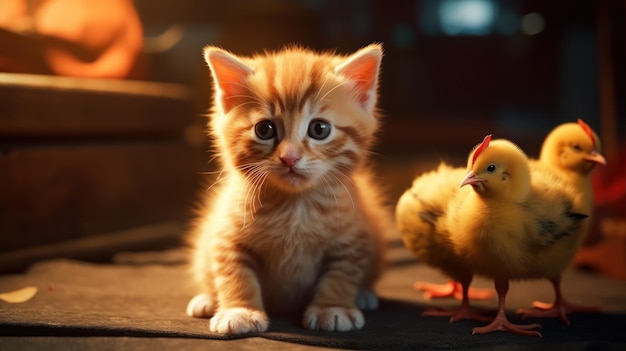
(462, 312)
(451, 289)
(501, 322)
(560, 308)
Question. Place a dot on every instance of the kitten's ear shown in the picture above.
(362, 68)
(229, 74)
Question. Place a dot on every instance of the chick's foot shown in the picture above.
(501, 323)
(560, 308)
(557, 310)
(451, 289)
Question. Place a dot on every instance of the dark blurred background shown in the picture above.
(85, 158)
(512, 67)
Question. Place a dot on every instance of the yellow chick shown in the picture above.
(570, 151)
(508, 227)
(420, 217)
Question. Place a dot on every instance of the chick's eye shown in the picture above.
(265, 130)
(491, 168)
(319, 129)
(577, 147)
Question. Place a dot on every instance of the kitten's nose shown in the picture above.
(290, 160)
(289, 153)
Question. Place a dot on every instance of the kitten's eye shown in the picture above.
(491, 168)
(265, 130)
(319, 129)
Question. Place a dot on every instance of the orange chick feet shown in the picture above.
(462, 312)
(560, 308)
(501, 323)
(451, 289)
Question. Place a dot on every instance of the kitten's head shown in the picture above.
(294, 118)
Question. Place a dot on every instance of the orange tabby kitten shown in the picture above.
(294, 223)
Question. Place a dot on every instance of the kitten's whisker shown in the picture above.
(245, 169)
(252, 94)
(331, 90)
(219, 173)
(259, 182)
(247, 165)
(319, 91)
(332, 192)
(345, 175)
(219, 176)
(261, 102)
(217, 180)
(250, 175)
(243, 104)
(243, 86)
(255, 178)
(248, 168)
(345, 187)
(215, 154)
(210, 172)
(373, 153)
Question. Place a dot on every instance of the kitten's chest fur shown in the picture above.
(291, 238)
(296, 230)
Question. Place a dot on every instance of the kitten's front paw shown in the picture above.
(201, 306)
(239, 320)
(366, 300)
(333, 318)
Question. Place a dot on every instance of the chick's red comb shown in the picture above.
(480, 148)
(588, 131)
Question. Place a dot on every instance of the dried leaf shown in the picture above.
(20, 295)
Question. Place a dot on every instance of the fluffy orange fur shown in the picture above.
(294, 223)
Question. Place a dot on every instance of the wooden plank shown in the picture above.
(36, 106)
(100, 247)
(53, 193)
(93, 85)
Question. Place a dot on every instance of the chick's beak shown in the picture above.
(596, 157)
(471, 179)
